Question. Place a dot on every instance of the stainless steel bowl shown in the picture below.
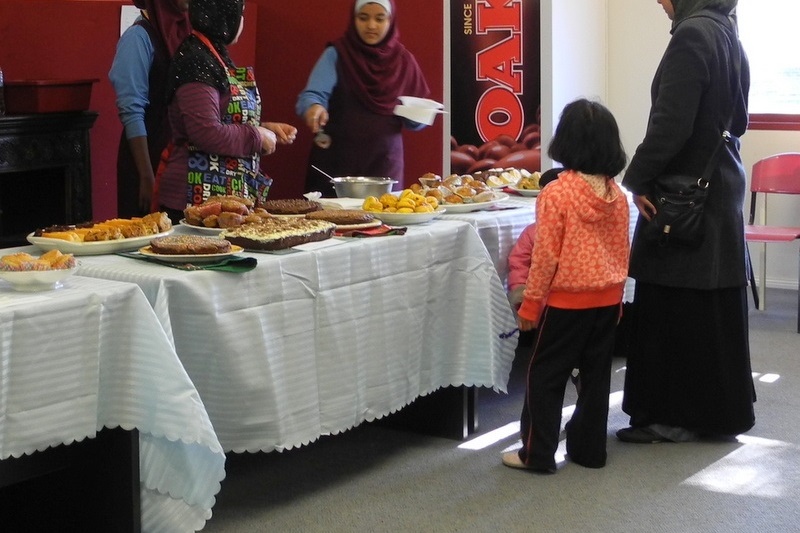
(361, 186)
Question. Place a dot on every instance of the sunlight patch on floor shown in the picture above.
(492, 437)
(766, 378)
(758, 467)
(496, 435)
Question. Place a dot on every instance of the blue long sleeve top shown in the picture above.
(129, 75)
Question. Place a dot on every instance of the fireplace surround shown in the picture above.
(45, 172)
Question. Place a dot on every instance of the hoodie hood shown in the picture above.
(589, 204)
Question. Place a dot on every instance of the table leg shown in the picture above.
(449, 412)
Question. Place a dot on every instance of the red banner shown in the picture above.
(495, 85)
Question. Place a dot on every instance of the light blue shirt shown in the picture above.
(320, 84)
(130, 77)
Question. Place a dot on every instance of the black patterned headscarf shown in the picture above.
(686, 8)
(219, 21)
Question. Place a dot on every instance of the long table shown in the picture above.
(499, 227)
(316, 342)
(92, 355)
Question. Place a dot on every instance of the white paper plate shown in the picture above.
(201, 229)
(405, 219)
(420, 102)
(36, 280)
(94, 248)
(525, 192)
(422, 115)
(190, 258)
(476, 206)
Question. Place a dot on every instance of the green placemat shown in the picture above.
(228, 264)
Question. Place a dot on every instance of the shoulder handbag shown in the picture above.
(680, 199)
(680, 202)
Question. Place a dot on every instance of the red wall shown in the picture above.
(76, 39)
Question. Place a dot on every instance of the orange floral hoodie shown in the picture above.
(581, 247)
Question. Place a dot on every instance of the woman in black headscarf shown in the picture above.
(688, 372)
(215, 113)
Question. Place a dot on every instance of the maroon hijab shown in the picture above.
(167, 17)
(379, 74)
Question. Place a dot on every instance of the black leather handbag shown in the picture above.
(680, 202)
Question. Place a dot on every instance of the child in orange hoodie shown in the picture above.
(573, 293)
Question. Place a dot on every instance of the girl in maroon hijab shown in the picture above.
(138, 75)
(350, 98)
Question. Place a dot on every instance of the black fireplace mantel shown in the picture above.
(32, 144)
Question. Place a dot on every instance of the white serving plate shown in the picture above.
(201, 229)
(525, 192)
(476, 206)
(36, 280)
(94, 248)
(190, 258)
(404, 219)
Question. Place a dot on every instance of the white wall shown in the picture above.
(574, 48)
(638, 32)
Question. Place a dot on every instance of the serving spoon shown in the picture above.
(323, 173)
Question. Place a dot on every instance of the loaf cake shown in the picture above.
(342, 216)
(279, 233)
(297, 206)
(189, 245)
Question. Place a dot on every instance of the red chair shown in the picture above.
(777, 174)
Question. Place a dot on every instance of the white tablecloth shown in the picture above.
(91, 355)
(314, 343)
(500, 228)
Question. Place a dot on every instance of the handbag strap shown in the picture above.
(726, 136)
(704, 179)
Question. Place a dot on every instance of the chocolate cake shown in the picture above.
(189, 245)
(278, 233)
(295, 206)
(342, 216)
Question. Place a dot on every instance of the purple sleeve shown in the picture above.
(199, 108)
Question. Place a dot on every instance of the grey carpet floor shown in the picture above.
(377, 479)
